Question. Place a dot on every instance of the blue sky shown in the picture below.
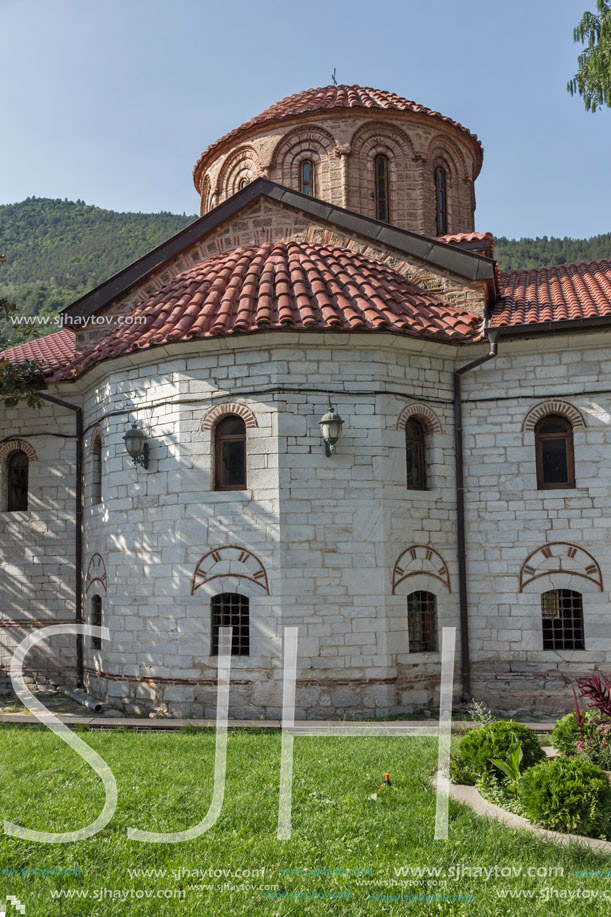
(112, 102)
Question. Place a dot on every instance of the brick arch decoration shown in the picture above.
(560, 557)
(443, 149)
(554, 406)
(231, 407)
(381, 137)
(423, 413)
(242, 163)
(96, 434)
(205, 194)
(418, 559)
(96, 573)
(307, 142)
(17, 445)
(230, 560)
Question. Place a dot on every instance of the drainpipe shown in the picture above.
(78, 520)
(463, 600)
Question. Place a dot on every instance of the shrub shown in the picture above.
(565, 794)
(472, 760)
(568, 731)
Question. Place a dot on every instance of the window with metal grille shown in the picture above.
(441, 201)
(380, 165)
(415, 455)
(562, 619)
(307, 177)
(229, 609)
(96, 619)
(554, 449)
(17, 473)
(96, 478)
(422, 622)
(230, 454)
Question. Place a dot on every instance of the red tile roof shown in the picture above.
(326, 98)
(51, 351)
(551, 294)
(296, 286)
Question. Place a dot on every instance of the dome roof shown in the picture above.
(284, 286)
(336, 98)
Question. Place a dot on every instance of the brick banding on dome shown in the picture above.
(326, 99)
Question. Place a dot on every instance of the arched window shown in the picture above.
(415, 455)
(230, 454)
(307, 177)
(242, 184)
(380, 165)
(422, 622)
(554, 447)
(17, 472)
(96, 471)
(441, 200)
(96, 619)
(230, 609)
(562, 618)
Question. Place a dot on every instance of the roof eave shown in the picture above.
(471, 266)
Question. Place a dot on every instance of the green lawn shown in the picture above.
(165, 783)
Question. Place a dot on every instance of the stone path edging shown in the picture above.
(471, 797)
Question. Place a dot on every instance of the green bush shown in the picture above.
(565, 794)
(472, 759)
(566, 731)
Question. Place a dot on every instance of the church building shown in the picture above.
(319, 405)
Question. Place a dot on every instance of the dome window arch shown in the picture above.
(441, 200)
(382, 187)
(415, 454)
(307, 177)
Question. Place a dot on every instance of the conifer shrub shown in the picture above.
(472, 760)
(566, 794)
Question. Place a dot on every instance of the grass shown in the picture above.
(165, 783)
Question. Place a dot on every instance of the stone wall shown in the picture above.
(37, 572)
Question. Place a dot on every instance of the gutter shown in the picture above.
(463, 597)
(78, 520)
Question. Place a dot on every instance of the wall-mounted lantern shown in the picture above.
(331, 429)
(137, 446)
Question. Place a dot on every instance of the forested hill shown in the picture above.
(57, 250)
(516, 254)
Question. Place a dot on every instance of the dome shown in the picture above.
(284, 286)
(325, 99)
(367, 150)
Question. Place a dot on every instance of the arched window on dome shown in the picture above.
(17, 474)
(242, 183)
(415, 455)
(307, 177)
(380, 165)
(554, 450)
(230, 454)
(441, 200)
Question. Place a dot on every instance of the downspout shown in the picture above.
(463, 598)
(78, 521)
